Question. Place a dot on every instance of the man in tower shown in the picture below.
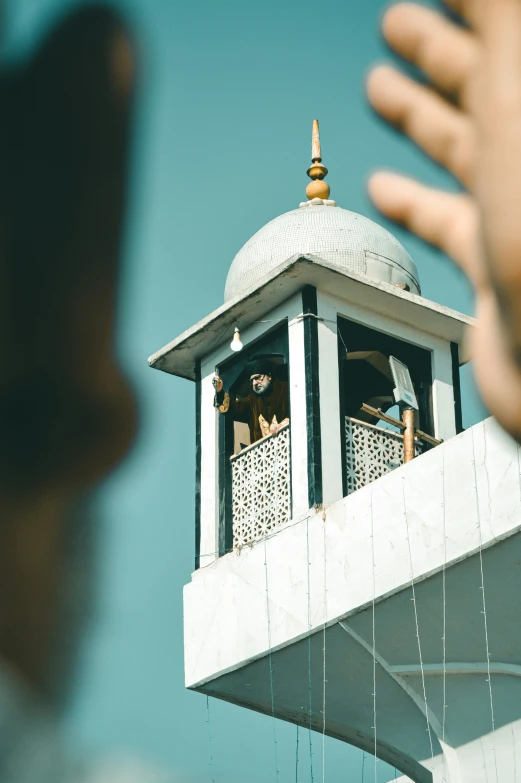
(266, 408)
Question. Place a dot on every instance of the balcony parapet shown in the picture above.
(261, 488)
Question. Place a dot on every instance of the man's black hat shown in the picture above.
(260, 365)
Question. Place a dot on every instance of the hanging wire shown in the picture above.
(324, 657)
(363, 765)
(484, 610)
(514, 747)
(309, 655)
(267, 537)
(295, 320)
(219, 338)
(374, 627)
(519, 469)
(413, 590)
(444, 599)
(209, 739)
(296, 759)
(342, 340)
(270, 660)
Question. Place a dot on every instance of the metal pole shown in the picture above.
(408, 435)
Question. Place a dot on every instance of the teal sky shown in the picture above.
(227, 94)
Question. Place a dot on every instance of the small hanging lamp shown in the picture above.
(236, 344)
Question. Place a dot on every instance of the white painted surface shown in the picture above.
(493, 758)
(225, 605)
(287, 280)
(330, 307)
(470, 484)
(346, 240)
(209, 473)
(329, 400)
(443, 391)
(290, 312)
(251, 331)
(298, 420)
(469, 487)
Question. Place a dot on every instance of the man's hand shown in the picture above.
(217, 384)
(276, 426)
(469, 121)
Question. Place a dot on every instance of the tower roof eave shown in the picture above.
(180, 356)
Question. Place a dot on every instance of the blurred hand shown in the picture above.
(67, 415)
(469, 120)
(218, 384)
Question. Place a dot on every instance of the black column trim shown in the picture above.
(197, 465)
(310, 308)
(342, 407)
(225, 441)
(456, 385)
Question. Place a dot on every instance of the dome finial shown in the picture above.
(317, 171)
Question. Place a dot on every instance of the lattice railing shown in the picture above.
(261, 488)
(371, 452)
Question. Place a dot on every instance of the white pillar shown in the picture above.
(298, 420)
(332, 486)
(209, 542)
(443, 392)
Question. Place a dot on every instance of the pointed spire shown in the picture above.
(316, 155)
(317, 171)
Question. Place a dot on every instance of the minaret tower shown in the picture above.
(343, 507)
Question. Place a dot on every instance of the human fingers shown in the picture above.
(470, 11)
(480, 13)
(447, 220)
(501, 73)
(445, 52)
(497, 373)
(444, 132)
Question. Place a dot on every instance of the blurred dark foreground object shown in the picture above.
(66, 413)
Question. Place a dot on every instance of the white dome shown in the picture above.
(349, 241)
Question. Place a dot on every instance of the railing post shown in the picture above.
(408, 435)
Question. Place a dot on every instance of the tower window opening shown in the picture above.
(371, 428)
(252, 398)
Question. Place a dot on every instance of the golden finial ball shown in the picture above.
(318, 189)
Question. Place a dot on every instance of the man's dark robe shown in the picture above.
(255, 410)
